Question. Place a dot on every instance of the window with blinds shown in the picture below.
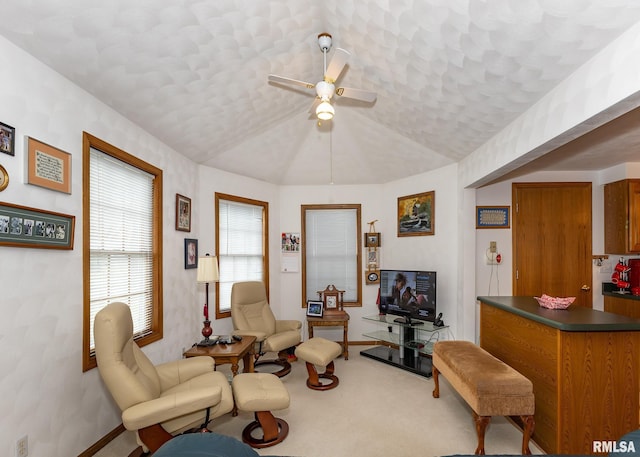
(331, 244)
(241, 245)
(121, 226)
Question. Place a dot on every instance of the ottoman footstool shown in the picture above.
(261, 393)
(321, 352)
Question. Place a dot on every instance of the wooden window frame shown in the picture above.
(265, 242)
(358, 241)
(156, 332)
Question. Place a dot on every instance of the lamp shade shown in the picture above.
(325, 111)
(208, 269)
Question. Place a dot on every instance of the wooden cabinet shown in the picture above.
(625, 306)
(584, 365)
(622, 217)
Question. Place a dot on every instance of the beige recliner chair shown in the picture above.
(252, 315)
(156, 401)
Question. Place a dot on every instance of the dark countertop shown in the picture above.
(573, 319)
(609, 289)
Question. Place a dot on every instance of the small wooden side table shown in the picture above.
(333, 320)
(228, 353)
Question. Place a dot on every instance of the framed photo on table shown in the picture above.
(314, 308)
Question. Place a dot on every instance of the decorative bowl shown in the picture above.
(546, 301)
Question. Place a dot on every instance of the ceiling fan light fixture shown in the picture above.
(325, 111)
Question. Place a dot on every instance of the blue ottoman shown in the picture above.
(204, 445)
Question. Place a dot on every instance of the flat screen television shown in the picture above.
(408, 294)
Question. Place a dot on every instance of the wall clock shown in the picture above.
(332, 299)
(373, 277)
(4, 178)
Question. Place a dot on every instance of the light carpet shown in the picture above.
(377, 410)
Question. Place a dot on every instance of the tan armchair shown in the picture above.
(252, 315)
(156, 401)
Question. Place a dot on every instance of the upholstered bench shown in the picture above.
(321, 352)
(488, 385)
(261, 393)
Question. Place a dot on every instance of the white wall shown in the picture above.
(212, 181)
(43, 392)
(499, 280)
(437, 252)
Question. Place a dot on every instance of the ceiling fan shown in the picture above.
(326, 88)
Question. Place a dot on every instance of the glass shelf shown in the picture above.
(391, 320)
(414, 342)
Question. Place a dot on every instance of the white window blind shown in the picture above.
(121, 239)
(240, 245)
(331, 251)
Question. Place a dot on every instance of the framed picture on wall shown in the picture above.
(416, 214)
(21, 226)
(48, 167)
(183, 213)
(372, 240)
(372, 259)
(492, 217)
(190, 253)
(7, 139)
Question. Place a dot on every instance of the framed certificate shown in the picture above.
(492, 217)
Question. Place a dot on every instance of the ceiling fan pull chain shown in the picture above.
(331, 155)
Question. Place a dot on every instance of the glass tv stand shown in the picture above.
(409, 345)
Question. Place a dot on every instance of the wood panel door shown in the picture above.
(552, 240)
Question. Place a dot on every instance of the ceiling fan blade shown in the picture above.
(335, 67)
(357, 94)
(294, 82)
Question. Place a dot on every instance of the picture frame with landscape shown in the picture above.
(416, 214)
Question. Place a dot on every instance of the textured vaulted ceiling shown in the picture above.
(449, 74)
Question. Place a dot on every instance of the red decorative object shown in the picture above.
(207, 330)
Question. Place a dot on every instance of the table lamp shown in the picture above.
(207, 272)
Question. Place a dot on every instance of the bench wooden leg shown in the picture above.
(436, 388)
(529, 425)
(481, 427)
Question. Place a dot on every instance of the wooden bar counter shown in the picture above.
(584, 365)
